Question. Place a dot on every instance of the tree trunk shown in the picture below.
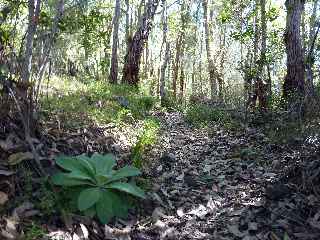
(253, 79)
(33, 18)
(313, 34)
(176, 67)
(167, 50)
(294, 80)
(128, 27)
(211, 67)
(114, 56)
(48, 45)
(133, 56)
(262, 86)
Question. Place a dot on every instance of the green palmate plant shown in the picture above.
(99, 190)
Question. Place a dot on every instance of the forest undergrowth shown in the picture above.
(206, 172)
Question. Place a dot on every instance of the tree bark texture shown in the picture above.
(136, 45)
(33, 19)
(114, 56)
(167, 50)
(294, 81)
(211, 67)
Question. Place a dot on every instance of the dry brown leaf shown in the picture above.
(3, 198)
(17, 158)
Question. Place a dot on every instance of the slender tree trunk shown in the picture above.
(313, 25)
(133, 56)
(33, 18)
(253, 81)
(200, 65)
(167, 50)
(176, 67)
(294, 81)
(303, 32)
(128, 27)
(222, 61)
(262, 87)
(211, 67)
(184, 13)
(309, 59)
(26, 71)
(48, 45)
(114, 56)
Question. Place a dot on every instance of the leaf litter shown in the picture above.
(207, 184)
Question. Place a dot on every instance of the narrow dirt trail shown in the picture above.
(206, 185)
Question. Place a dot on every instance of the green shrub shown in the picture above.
(96, 101)
(96, 188)
(146, 102)
(34, 231)
(170, 103)
(202, 115)
(147, 137)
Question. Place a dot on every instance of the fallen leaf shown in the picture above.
(170, 233)
(180, 177)
(235, 231)
(59, 235)
(6, 173)
(180, 212)
(157, 214)
(200, 212)
(10, 231)
(3, 198)
(17, 158)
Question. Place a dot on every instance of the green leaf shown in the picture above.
(76, 164)
(103, 163)
(80, 175)
(90, 212)
(121, 205)
(64, 179)
(128, 188)
(88, 198)
(104, 206)
(67, 163)
(127, 171)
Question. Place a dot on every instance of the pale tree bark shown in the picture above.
(128, 27)
(211, 67)
(114, 56)
(184, 14)
(200, 65)
(304, 32)
(167, 51)
(33, 19)
(176, 67)
(136, 46)
(309, 59)
(221, 82)
(48, 45)
(313, 22)
(294, 81)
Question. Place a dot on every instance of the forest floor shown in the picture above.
(213, 184)
(203, 182)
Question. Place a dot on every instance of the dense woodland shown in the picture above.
(159, 119)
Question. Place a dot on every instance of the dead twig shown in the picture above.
(27, 133)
